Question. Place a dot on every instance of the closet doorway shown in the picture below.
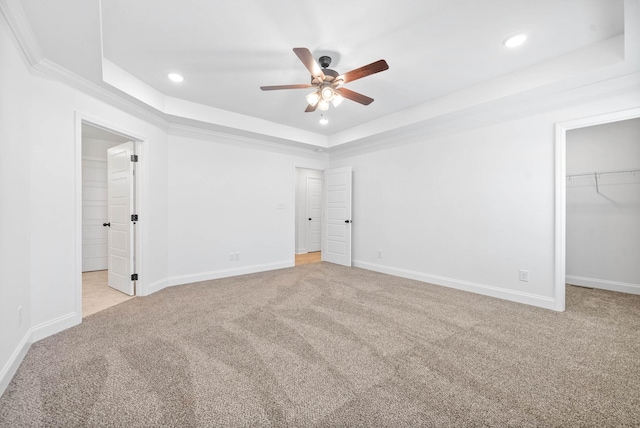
(308, 215)
(97, 295)
(603, 206)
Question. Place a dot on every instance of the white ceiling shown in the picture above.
(227, 50)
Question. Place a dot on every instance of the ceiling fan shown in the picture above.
(328, 83)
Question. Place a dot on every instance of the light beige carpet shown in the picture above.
(327, 346)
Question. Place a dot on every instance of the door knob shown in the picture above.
(347, 221)
(309, 218)
(106, 224)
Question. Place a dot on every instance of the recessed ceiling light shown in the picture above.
(323, 120)
(319, 150)
(515, 41)
(175, 77)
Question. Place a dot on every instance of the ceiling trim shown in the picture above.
(115, 76)
(512, 108)
(237, 140)
(17, 20)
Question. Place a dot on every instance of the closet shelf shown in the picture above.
(623, 176)
(622, 171)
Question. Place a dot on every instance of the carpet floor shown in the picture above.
(321, 345)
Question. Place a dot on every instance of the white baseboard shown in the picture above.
(622, 287)
(34, 334)
(11, 367)
(301, 251)
(154, 287)
(225, 273)
(486, 290)
(54, 326)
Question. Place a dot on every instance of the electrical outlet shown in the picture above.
(380, 254)
(231, 257)
(19, 315)
(524, 275)
(237, 256)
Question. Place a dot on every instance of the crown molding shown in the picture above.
(549, 98)
(17, 20)
(52, 69)
(243, 141)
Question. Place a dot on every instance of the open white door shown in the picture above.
(337, 231)
(120, 198)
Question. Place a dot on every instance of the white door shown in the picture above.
(314, 214)
(94, 214)
(337, 231)
(120, 200)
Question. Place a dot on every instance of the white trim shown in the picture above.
(486, 290)
(262, 142)
(226, 273)
(17, 20)
(11, 367)
(302, 251)
(55, 325)
(154, 287)
(604, 284)
(561, 189)
(34, 334)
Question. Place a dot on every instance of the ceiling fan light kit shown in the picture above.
(328, 83)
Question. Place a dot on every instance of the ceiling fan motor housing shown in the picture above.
(325, 61)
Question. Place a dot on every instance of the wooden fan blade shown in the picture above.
(307, 59)
(275, 88)
(311, 108)
(354, 96)
(364, 71)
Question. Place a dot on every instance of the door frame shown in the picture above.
(141, 184)
(561, 191)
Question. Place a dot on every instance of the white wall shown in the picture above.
(40, 190)
(301, 206)
(468, 209)
(227, 197)
(603, 230)
(15, 207)
(56, 192)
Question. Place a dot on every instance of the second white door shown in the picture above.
(337, 231)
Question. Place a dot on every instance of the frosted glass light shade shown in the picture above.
(313, 98)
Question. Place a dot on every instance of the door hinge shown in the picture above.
(134, 217)
(134, 277)
(134, 158)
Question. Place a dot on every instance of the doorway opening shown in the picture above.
(587, 183)
(309, 186)
(108, 247)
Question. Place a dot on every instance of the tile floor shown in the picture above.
(97, 295)
(303, 259)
